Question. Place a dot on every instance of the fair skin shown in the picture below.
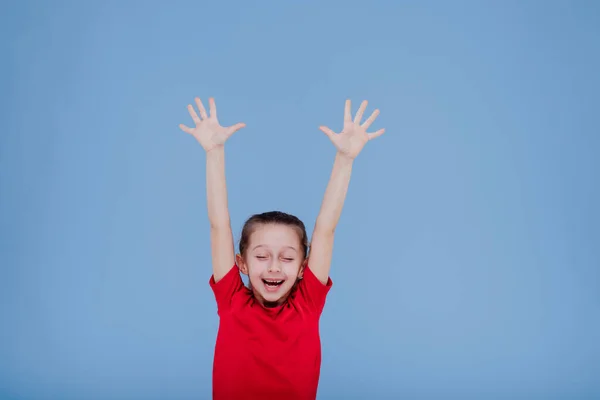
(212, 137)
(273, 262)
(349, 143)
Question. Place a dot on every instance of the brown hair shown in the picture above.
(273, 217)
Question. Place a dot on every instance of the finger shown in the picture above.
(369, 121)
(234, 128)
(328, 132)
(193, 114)
(360, 112)
(201, 108)
(186, 129)
(347, 111)
(376, 134)
(212, 107)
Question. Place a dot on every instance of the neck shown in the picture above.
(272, 304)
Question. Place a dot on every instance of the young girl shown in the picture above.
(268, 344)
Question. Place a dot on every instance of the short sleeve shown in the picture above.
(226, 287)
(312, 291)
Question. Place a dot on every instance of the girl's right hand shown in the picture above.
(208, 132)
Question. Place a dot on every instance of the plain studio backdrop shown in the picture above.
(467, 258)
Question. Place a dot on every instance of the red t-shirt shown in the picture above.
(267, 353)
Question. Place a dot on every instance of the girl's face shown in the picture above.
(274, 260)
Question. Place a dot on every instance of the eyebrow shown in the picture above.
(264, 245)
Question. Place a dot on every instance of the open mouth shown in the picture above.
(272, 284)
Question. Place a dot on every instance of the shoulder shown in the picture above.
(309, 278)
(228, 288)
(312, 291)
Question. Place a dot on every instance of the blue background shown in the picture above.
(467, 259)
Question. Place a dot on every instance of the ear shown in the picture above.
(302, 266)
(239, 260)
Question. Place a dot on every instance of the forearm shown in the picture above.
(212, 136)
(216, 189)
(335, 194)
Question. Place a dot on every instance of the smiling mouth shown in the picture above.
(272, 285)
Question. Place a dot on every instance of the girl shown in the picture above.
(268, 344)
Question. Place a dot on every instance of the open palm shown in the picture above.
(208, 132)
(354, 136)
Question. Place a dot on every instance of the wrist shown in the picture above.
(219, 149)
(343, 158)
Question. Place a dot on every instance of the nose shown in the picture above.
(274, 267)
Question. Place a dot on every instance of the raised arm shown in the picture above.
(349, 143)
(212, 137)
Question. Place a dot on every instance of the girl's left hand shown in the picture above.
(354, 136)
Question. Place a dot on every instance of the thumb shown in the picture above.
(234, 128)
(328, 132)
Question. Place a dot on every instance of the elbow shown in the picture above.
(324, 229)
(219, 224)
(326, 224)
